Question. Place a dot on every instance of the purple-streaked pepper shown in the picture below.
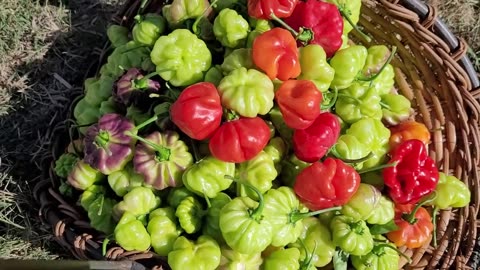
(134, 83)
(107, 148)
(162, 158)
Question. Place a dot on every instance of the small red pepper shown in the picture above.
(414, 174)
(414, 226)
(198, 111)
(312, 143)
(323, 19)
(263, 9)
(275, 52)
(239, 140)
(328, 184)
(299, 102)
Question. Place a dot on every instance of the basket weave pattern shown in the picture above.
(427, 71)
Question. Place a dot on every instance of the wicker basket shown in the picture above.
(431, 70)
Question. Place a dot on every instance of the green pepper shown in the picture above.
(90, 195)
(130, 233)
(291, 167)
(168, 212)
(117, 35)
(277, 149)
(352, 8)
(315, 238)
(108, 106)
(238, 58)
(138, 202)
(181, 10)
(148, 28)
(82, 176)
(163, 233)
(124, 180)
(349, 147)
(85, 114)
(451, 192)
(314, 65)
(396, 108)
(204, 254)
(206, 177)
(358, 102)
(98, 90)
(351, 236)
(230, 28)
(100, 214)
(190, 213)
(383, 213)
(65, 164)
(129, 55)
(243, 225)
(247, 92)
(214, 75)
(136, 115)
(258, 27)
(376, 58)
(259, 172)
(287, 259)
(181, 57)
(383, 256)
(347, 63)
(177, 194)
(279, 123)
(363, 202)
(384, 82)
(232, 260)
(212, 219)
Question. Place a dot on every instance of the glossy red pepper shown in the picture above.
(299, 102)
(414, 175)
(323, 19)
(198, 111)
(275, 52)
(328, 184)
(414, 226)
(263, 9)
(239, 140)
(312, 143)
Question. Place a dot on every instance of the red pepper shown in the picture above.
(414, 175)
(299, 102)
(414, 226)
(239, 140)
(323, 19)
(275, 52)
(328, 184)
(263, 9)
(198, 111)
(312, 143)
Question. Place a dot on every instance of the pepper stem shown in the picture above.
(296, 216)
(357, 227)
(377, 168)
(354, 26)
(374, 76)
(332, 101)
(305, 35)
(104, 245)
(358, 101)
(434, 221)
(145, 123)
(307, 263)
(385, 245)
(350, 161)
(102, 138)
(163, 152)
(410, 218)
(256, 214)
(143, 82)
(197, 20)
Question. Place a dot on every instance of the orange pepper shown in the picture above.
(414, 227)
(407, 131)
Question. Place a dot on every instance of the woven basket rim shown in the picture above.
(77, 237)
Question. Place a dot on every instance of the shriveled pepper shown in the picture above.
(197, 112)
(312, 143)
(451, 192)
(413, 175)
(203, 254)
(347, 63)
(351, 236)
(247, 92)
(287, 259)
(130, 233)
(299, 102)
(314, 65)
(275, 52)
(406, 131)
(230, 28)
(323, 19)
(190, 213)
(263, 9)
(163, 233)
(326, 184)
(414, 226)
(239, 140)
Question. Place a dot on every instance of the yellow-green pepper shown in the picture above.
(314, 65)
(451, 192)
(130, 233)
(163, 233)
(203, 254)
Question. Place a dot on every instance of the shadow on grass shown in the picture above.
(25, 133)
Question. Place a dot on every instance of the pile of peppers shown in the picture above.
(251, 134)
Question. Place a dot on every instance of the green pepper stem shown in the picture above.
(350, 161)
(195, 150)
(102, 138)
(332, 101)
(104, 246)
(146, 123)
(209, 205)
(142, 6)
(385, 106)
(410, 218)
(377, 168)
(357, 227)
(296, 216)
(385, 245)
(164, 152)
(307, 263)
(354, 26)
(373, 77)
(434, 221)
(358, 101)
(197, 20)
(305, 35)
(143, 82)
(257, 212)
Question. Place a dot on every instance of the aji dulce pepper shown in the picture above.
(263, 9)
(408, 130)
(148, 28)
(314, 65)
(451, 192)
(230, 28)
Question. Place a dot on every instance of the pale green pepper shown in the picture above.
(130, 233)
(148, 28)
(181, 10)
(230, 28)
(138, 202)
(124, 180)
(314, 65)
(190, 213)
(238, 58)
(203, 254)
(163, 233)
(351, 236)
(286, 259)
(347, 63)
(82, 176)
(383, 213)
(259, 172)
(277, 149)
(395, 108)
(451, 192)
(358, 102)
(100, 214)
(382, 257)
(212, 218)
(232, 260)
(363, 202)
